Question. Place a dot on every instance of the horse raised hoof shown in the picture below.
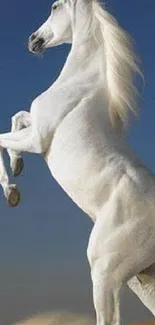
(12, 195)
(18, 166)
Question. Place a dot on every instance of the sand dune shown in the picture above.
(63, 318)
(57, 318)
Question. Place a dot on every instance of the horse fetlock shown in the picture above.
(17, 165)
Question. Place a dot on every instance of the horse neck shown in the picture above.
(82, 59)
(85, 49)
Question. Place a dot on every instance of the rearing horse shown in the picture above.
(78, 126)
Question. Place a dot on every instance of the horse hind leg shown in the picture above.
(107, 283)
(143, 285)
(105, 296)
(10, 190)
(19, 121)
(109, 271)
(113, 263)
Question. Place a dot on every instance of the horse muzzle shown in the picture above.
(36, 44)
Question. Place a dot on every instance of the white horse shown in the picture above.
(78, 126)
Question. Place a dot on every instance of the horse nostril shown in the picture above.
(40, 41)
(32, 37)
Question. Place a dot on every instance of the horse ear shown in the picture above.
(72, 2)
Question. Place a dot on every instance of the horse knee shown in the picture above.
(20, 120)
(16, 117)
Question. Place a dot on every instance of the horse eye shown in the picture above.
(55, 6)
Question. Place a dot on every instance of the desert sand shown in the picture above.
(57, 318)
(63, 318)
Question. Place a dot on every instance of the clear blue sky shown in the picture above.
(43, 241)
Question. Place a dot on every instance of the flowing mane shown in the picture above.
(121, 65)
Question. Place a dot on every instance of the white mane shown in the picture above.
(121, 65)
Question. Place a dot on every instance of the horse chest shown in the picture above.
(51, 107)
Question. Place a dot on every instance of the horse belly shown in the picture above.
(69, 173)
(82, 174)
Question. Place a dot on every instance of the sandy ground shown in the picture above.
(63, 318)
(57, 318)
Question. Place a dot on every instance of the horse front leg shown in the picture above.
(19, 121)
(10, 190)
(28, 140)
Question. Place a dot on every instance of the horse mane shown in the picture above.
(121, 66)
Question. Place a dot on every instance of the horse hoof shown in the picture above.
(18, 166)
(13, 196)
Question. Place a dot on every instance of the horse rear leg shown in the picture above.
(115, 257)
(144, 287)
(19, 121)
(109, 271)
(105, 294)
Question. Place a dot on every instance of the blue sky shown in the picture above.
(43, 241)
